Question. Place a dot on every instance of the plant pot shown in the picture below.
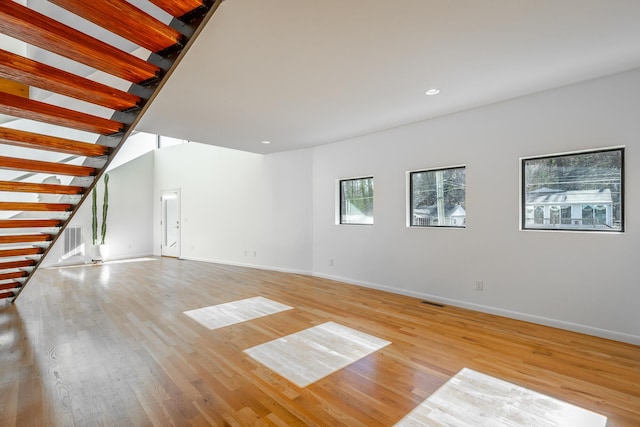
(99, 253)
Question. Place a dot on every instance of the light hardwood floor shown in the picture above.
(110, 345)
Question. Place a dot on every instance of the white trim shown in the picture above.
(178, 197)
(574, 327)
(569, 153)
(242, 264)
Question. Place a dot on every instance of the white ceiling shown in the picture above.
(302, 73)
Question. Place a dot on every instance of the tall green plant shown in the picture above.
(94, 212)
(94, 216)
(105, 208)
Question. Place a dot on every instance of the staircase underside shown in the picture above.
(100, 104)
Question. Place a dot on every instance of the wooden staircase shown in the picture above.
(28, 229)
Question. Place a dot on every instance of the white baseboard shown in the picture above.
(248, 265)
(584, 329)
(86, 260)
(574, 327)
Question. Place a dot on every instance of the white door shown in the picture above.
(170, 223)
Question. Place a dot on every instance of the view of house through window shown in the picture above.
(438, 198)
(580, 191)
(356, 201)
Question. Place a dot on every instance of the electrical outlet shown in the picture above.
(479, 285)
(331, 262)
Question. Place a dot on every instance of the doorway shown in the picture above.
(170, 223)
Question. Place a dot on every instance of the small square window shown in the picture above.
(578, 191)
(356, 201)
(437, 198)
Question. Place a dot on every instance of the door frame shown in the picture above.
(163, 251)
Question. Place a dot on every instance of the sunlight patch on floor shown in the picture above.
(117, 261)
(221, 315)
(471, 398)
(312, 354)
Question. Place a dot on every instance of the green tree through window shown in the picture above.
(356, 201)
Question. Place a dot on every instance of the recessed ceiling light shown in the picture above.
(432, 91)
(266, 142)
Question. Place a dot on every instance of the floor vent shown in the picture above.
(435, 304)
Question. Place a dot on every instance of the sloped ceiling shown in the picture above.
(302, 73)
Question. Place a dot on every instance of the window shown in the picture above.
(437, 198)
(356, 201)
(579, 191)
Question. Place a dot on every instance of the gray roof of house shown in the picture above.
(570, 197)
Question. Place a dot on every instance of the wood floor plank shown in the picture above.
(109, 344)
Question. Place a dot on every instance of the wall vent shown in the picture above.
(73, 244)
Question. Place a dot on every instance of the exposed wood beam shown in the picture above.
(26, 238)
(126, 20)
(6, 253)
(16, 106)
(177, 8)
(29, 223)
(20, 138)
(45, 167)
(25, 24)
(35, 206)
(33, 73)
(31, 187)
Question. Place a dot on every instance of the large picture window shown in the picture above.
(579, 191)
(437, 198)
(356, 201)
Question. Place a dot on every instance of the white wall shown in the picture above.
(580, 281)
(129, 226)
(282, 208)
(237, 207)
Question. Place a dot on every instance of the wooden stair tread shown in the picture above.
(126, 20)
(167, 42)
(35, 206)
(20, 138)
(29, 223)
(17, 264)
(31, 187)
(33, 73)
(13, 275)
(25, 238)
(18, 106)
(7, 253)
(10, 285)
(13, 163)
(4, 295)
(177, 8)
(25, 24)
